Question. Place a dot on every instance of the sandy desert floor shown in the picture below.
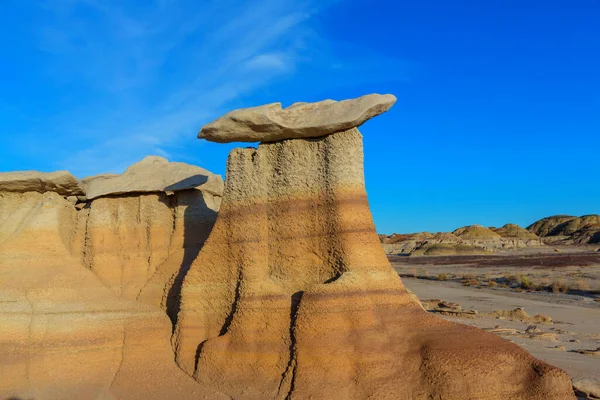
(570, 341)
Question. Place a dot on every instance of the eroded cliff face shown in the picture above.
(293, 297)
(140, 246)
(70, 277)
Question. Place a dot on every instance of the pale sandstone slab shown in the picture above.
(153, 174)
(61, 182)
(270, 122)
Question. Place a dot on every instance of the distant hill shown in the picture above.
(514, 231)
(568, 229)
(476, 232)
(477, 239)
(468, 240)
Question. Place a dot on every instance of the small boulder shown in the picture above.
(72, 199)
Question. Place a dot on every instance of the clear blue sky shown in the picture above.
(497, 119)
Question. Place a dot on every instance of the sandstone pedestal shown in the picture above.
(293, 297)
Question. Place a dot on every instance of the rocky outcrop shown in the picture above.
(86, 292)
(468, 240)
(61, 182)
(515, 231)
(293, 297)
(153, 174)
(564, 229)
(300, 120)
(547, 226)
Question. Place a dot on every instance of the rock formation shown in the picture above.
(300, 120)
(153, 174)
(292, 295)
(61, 182)
(546, 226)
(468, 240)
(85, 289)
(565, 229)
(515, 231)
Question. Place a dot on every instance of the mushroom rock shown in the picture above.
(300, 120)
(61, 182)
(292, 295)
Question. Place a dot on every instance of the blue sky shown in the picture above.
(497, 119)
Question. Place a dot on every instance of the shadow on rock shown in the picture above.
(198, 221)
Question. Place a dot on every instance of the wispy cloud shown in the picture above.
(156, 72)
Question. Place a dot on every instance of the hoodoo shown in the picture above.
(293, 297)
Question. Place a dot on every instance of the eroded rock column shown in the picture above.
(293, 297)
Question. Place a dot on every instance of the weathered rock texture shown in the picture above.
(84, 293)
(293, 297)
(565, 229)
(61, 182)
(300, 120)
(153, 174)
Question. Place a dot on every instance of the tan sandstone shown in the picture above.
(300, 120)
(153, 174)
(61, 182)
(292, 296)
(86, 293)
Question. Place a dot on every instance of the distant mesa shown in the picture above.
(270, 122)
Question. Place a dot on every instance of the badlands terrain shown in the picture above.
(538, 287)
(166, 282)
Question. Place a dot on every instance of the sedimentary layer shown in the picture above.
(293, 297)
(86, 290)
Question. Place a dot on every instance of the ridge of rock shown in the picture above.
(153, 174)
(270, 122)
(61, 182)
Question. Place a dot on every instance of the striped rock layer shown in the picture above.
(293, 297)
(85, 293)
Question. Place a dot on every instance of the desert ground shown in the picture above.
(546, 300)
